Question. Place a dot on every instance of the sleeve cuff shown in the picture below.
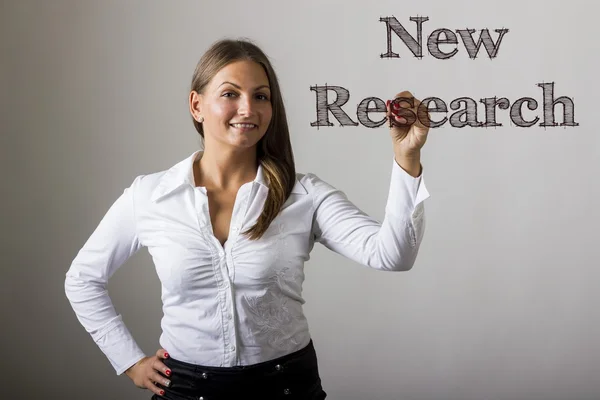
(120, 348)
(406, 192)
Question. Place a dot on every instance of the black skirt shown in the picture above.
(294, 376)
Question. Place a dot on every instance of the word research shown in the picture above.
(466, 109)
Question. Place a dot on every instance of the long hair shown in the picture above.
(274, 149)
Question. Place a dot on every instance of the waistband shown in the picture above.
(306, 353)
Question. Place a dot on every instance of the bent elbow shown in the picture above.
(402, 263)
(80, 288)
(72, 286)
(403, 266)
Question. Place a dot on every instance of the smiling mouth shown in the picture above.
(244, 126)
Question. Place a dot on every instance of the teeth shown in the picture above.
(243, 125)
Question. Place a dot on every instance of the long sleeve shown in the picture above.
(110, 245)
(390, 245)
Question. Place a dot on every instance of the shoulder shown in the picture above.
(158, 185)
(146, 183)
(314, 185)
(144, 187)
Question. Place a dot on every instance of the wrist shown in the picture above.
(129, 370)
(411, 163)
(407, 154)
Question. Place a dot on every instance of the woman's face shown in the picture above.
(236, 105)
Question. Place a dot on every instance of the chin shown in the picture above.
(242, 143)
(245, 139)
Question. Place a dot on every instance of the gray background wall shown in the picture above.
(502, 302)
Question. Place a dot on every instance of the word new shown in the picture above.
(439, 37)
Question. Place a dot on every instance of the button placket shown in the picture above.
(239, 210)
(218, 260)
(228, 309)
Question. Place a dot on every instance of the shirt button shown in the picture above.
(287, 391)
(235, 229)
(232, 348)
(229, 316)
(204, 375)
(278, 367)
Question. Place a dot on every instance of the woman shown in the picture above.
(229, 229)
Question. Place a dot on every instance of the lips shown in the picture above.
(244, 125)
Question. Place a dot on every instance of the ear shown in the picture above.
(195, 104)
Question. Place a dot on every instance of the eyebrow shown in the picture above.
(239, 87)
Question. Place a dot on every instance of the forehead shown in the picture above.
(243, 73)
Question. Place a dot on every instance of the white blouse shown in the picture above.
(241, 303)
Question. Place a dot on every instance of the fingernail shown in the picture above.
(168, 372)
(166, 354)
(162, 392)
(402, 120)
(167, 382)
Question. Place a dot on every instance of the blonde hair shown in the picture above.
(274, 149)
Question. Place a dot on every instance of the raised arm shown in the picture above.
(110, 245)
(392, 244)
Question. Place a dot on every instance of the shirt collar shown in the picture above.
(182, 174)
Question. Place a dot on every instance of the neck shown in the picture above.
(225, 170)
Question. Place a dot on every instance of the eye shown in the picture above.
(262, 97)
(228, 94)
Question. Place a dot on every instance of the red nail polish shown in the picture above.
(162, 392)
(166, 354)
(168, 372)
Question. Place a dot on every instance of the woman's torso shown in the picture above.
(234, 304)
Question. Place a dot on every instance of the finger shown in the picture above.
(153, 388)
(158, 365)
(158, 379)
(403, 106)
(400, 120)
(405, 99)
(162, 353)
(423, 116)
(405, 93)
(389, 113)
(412, 109)
(404, 116)
(161, 367)
(392, 105)
(420, 113)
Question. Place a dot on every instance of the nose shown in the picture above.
(246, 106)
